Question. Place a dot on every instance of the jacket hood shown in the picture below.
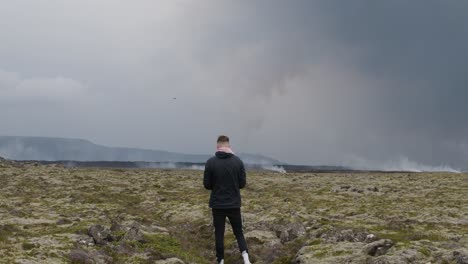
(223, 155)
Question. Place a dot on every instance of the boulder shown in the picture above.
(116, 227)
(378, 248)
(134, 234)
(81, 256)
(117, 231)
(100, 234)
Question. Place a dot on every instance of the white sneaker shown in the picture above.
(245, 256)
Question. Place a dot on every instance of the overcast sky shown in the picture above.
(363, 83)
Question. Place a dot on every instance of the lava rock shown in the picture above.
(291, 232)
(134, 234)
(379, 247)
(117, 231)
(80, 256)
(343, 235)
(461, 257)
(304, 255)
(100, 234)
(116, 227)
(260, 237)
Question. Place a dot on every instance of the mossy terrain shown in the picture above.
(45, 210)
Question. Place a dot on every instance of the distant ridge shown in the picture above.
(54, 149)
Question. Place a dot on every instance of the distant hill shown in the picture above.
(53, 149)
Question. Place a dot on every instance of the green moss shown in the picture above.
(284, 260)
(53, 255)
(167, 245)
(33, 252)
(321, 254)
(431, 236)
(341, 252)
(99, 195)
(76, 228)
(7, 231)
(116, 257)
(425, 251)
(315, 242)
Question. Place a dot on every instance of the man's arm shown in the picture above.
(207, 177)
(242, 176)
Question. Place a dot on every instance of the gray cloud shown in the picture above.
(359, 83)
(14, 88)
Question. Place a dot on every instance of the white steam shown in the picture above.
(169, 165)
(196, 167)
(399, 164)
(154, 165)
(279, 169)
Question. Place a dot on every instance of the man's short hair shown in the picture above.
(223, 139)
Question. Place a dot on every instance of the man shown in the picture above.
(225, 176)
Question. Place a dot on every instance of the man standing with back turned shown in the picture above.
(225, 176)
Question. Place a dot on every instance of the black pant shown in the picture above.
(219, 220)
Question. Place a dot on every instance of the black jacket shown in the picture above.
(224, 176)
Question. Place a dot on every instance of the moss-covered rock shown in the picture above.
(52, 208)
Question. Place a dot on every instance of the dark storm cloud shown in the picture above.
(422, 44)
(420, 51)
(363, 83)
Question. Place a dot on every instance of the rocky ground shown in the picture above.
(52, 214)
